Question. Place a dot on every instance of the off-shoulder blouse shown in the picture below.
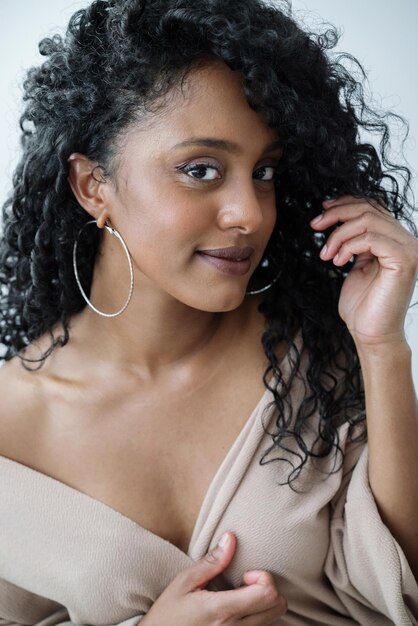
(67, 558)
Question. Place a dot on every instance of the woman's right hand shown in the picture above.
(186, 601)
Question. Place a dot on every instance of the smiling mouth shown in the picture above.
(231, 266)
(233, 253)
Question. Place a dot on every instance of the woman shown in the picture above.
(192, 345)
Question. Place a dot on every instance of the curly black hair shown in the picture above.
(111, 69)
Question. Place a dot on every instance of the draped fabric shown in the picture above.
(66, 558)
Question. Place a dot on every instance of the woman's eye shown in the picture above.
(266, 170)
(200, 169)
(207, 171)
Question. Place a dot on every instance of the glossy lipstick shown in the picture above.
(234, 260)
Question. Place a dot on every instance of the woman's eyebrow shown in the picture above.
(223, 144)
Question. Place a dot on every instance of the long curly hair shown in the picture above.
(111, 69)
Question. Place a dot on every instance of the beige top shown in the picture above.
(67, 558)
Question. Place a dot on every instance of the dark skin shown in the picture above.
(115, 378)
(188, 340)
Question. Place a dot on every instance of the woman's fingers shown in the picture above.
(359, 219)
(378, 288)
(247, 600)
(367, 225)
(185, 601)
(208, 567)
(265, 618)
(351, 200)
(388, 251)
(347, 213)
(353, 238)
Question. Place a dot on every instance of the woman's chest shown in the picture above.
(150, 457)
(71, 544)
(104, 567)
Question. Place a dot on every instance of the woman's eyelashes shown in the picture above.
(198, 171)
(270, 169)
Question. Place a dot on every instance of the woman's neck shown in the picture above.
(152, 343)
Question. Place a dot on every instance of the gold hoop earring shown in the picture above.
(114, 232)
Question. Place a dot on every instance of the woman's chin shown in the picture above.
(213, 301)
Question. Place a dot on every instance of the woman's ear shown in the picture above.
(88, 185)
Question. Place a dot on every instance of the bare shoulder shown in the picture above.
(20, 407)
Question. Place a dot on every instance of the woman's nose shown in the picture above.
(243, 210)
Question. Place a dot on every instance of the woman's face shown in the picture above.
(177, 196)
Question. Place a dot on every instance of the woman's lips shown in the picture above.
(227, 266)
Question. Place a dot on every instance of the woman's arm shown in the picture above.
(373, 303)
(392, 423)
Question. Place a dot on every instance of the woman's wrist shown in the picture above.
(380, 354)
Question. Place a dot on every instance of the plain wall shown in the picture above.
(381, 35)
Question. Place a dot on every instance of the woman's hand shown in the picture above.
(375, 295)
(186, 601)
(373, 302)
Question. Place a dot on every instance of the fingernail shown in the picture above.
(317, 219)
(223, 541)
(262, 579)
(323, 251)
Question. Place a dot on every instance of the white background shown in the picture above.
(382, 35)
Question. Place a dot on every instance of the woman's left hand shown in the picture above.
(375, 295)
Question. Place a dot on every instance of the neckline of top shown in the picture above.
(284, 363)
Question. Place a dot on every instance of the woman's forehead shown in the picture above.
(210, 107)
